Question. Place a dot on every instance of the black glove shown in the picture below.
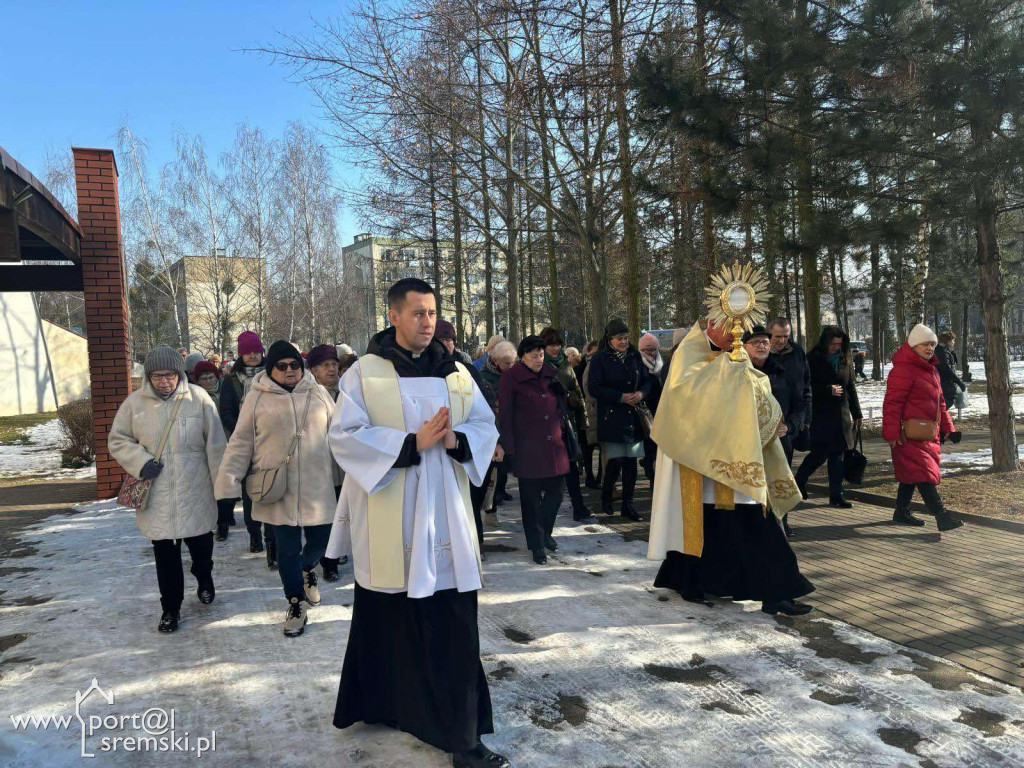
(955, 437)
(963, 387)
(151, 469)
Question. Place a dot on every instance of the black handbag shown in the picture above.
(854, 461)
(572, 443)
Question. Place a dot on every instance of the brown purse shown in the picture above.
(920, 430)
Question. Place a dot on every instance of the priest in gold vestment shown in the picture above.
(722, 482)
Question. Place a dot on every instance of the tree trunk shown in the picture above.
(997, 359)
(435, 247)
(921, 264)
(876, 311)
(549, 222)
(630, 239)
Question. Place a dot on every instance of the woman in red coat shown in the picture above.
(914, 391)
(531, 406)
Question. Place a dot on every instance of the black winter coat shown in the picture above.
(609, 379)
(789, 396)
(793, 363)
(947, 366)
(832, 417)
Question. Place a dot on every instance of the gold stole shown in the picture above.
(691, 494)
(383, 398)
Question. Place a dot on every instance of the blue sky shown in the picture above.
(75, 70)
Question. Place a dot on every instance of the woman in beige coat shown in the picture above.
(181, 504)
(286, 400)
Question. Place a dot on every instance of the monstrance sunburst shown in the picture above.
(738, 293)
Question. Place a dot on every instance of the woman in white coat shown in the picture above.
(181, 504)
(285, 400)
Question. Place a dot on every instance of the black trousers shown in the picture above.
(167, 553)
(572, 485)
(815, 459)
(499, 486)
(627, 467)
(255, 527)
(540, 498)
(477, 495)
(929, 493)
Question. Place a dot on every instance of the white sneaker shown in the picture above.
(296, 618)
(309, 586)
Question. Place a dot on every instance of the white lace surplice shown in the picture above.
(439, 535)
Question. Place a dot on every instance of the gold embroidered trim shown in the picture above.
(784, 488)
(749, 473)
(724, 497)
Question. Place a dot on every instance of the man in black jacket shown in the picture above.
(947, 366)
(791, 359)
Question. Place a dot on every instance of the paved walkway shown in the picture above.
(588, 666)
(958, 595)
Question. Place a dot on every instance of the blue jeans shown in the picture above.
(293, 558)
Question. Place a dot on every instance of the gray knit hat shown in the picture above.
(163, 358)
(192, 359)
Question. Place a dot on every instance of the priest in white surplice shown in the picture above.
(412, 431)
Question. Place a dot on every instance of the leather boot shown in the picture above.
(903, 516)
(947, 521)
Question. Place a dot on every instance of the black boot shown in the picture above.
(550, 544)
(222, 532)
(582, 513)
(785, 527)
(330, 568)
(539, 557)
(168, 621)
(947, 521)
(479, 757)
(206, 591)
(839, 503)
(786, 607)
(903, 516)
(255, 541)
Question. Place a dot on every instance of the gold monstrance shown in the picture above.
(738, 293)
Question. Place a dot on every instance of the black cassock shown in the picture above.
(746, 557)
(414, 665)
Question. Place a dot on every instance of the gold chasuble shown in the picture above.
(717, 418)
(383, 399)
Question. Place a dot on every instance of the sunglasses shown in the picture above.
(295, 365)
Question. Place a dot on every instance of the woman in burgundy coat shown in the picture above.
(531, 406)
(914, 391)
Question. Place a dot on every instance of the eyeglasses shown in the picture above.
(163, 376)
(760, 342)
(295, 365)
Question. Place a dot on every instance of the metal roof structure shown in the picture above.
(40, 243)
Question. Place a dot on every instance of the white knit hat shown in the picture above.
(921, 334)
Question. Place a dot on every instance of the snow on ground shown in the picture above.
(588, 666)
(40, 456)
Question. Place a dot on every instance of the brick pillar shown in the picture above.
(106, 303)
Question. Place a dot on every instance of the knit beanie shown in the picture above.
(444, 330)
(205, 366)
(163, 358)
(920, 334)
(615, 327)
(278, 351)
(529, 344)
(191, 360)
(248, 342)
(320, 354)
(649, 337)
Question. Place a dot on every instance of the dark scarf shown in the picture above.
(556, 362)
(433, 361)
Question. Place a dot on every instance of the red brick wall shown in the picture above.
(106, 305)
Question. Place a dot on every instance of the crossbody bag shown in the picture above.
(268, 486)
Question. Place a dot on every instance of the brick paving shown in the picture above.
(958, 595)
